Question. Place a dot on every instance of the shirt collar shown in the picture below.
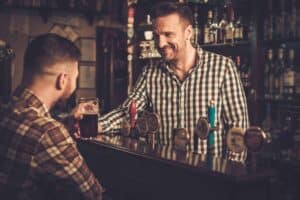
(198, 63)
(30, 100)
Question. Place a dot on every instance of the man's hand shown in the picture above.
(73, 122)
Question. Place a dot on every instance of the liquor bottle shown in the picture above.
(297, 80)
(289, 77)
(207, 26)
(251, 29)
(296, 140)
(238, 64)
(298, 22)
(230, 28)
(268, 128)
(286, 138)
(222, 26)
(269, 76)
(238, 29)
(293, 21)
(245, 71)
(269, 22)
(214, 28)
(280, 21)
(278, 75)
(195, 38)
(267, 122)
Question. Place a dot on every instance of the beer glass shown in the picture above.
(89, 123)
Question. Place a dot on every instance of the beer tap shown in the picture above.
(212, 123)
(147, 125)
(129, 126)
(206, 126)
(181, 138)
(253, 138)
(132, 113)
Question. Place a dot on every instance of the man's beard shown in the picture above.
(169, 47)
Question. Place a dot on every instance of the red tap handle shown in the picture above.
(132, 113)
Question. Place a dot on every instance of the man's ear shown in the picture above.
(61, 81)
(189, 32)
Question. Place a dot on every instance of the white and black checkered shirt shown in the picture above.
(180, 104)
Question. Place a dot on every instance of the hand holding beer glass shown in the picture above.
(88, 124)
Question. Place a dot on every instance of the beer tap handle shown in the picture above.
(132, 113)
(212, 123)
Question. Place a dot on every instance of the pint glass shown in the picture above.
(89, 123)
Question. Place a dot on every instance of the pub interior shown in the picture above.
(262, 37)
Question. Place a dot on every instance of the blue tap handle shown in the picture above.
(212, 123)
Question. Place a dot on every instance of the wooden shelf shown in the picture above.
(278, 43)
(226, 45)
(45, 12)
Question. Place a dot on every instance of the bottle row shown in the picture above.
(228, 28)
(282, 20)
(285, 134)
(71, 4)
(281, 75)
(243, 67)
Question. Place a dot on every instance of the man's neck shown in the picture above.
(182, 67)
(44, 93)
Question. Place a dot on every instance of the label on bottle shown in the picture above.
(229, 34)
(206, 36)
(241, 33)
(289, 78)
(279, 27)
(293, 24)
(297, 83)
(238, 33)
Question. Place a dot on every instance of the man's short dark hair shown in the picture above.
(166, 8)
(48, 49)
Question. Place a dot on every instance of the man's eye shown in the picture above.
(168, 34)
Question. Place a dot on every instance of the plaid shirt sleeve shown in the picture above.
(235, 105)
(58, 160)
(113, 120)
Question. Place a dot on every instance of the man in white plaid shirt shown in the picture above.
(180, 87)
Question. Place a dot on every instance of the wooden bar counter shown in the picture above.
(132, 169)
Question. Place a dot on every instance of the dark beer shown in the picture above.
(89, 125)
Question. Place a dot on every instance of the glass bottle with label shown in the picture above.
(278, 75)
(289, 77)
(293, 21)
(195, 38)
(280, 21)
(286, 138)
(207, 26)
(269, 76)
(239, 29)
(267, 123)
(296, 139)
(269, 22)
(214, 28)
(222, 26)
(230, 28)
(251, 29)
(245, 71)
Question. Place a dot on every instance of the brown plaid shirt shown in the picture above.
(38, 158)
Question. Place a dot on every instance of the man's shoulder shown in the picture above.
(155, 64)
(216, 60)
(209, 55)
(29, 121)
